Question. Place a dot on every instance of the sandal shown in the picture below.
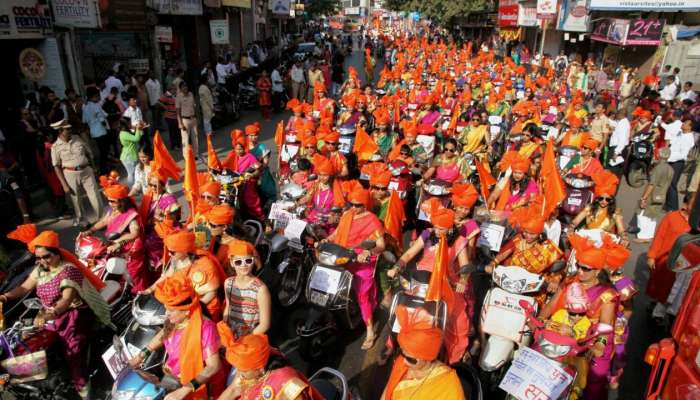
(369, 342)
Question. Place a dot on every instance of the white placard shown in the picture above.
(491, 236)
(494, 129)
(288, 152)
(113, 362)
(325, 280)
(495, 119)
(534, 376)
(278, 213)
(294, 229)
(164, 34)
(219, 31)
(75, 13)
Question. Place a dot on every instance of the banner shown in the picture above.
(534, 376)
(219, 31)
(178, 7)
(24, 19)
(75, 13)
(611, 30)
(164, 34)
(508, 13)
(236, 3)
(527, 14)
(645, 5)
(624, 32)
(546, 9)
(281, 7)
(573, 16)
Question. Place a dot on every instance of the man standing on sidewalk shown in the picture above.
(206, 101)
(71, 159)
(96, 120)
(154, 90)
(186, 107)
(680, 143)
(298, 81)
(167, 103)
(277, 88)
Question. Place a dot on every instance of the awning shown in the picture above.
(680, 32)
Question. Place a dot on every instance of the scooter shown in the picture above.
(149, 317)
(639, 160)
(248, 94)
(503, 320)
(579, 194)
(331, 384)
(330, 299)
(134, 384)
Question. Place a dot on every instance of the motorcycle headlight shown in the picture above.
(146, 318)
(551, 350)
(513, 286)
(327, 258)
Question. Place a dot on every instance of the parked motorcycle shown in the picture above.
(226, 108)
(579, 194)
(639, 160)
(248, 94)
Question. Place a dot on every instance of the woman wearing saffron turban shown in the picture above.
(417, 374)
(357, 225)
(261, 371)
(156, 206)
(603, 213)
(67, 290)
(191, 343)
(124, 227)
(516, 190)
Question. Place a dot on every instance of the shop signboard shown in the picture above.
(573, 16)
(140, 65)
(280, 7)
(24, 19)
(507, 13)
(527, 14)
(178, 7)
(75, 13)
(164, 34)
(546, 9)
(645, 5)
(611, 30)
(219, 31)
(624, 32)
(236, 3)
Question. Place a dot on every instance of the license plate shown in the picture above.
(574, 202)
(319, 298)
(642, 150)
(283, 266)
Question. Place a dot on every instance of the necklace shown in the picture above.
(422, 381)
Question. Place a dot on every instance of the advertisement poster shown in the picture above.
(164, 34)
(546, 9)
(573, 16)
(611, 30)
(527, 14)
(178, 7)
(508, 13)
(24, 19)
(281, 7)
(75, 13)
(219, 31)
(645, 5)
(236, 3)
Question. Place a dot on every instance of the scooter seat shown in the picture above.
(110, 291)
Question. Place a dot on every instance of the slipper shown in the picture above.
(369, 342)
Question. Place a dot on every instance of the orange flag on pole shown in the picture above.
(212, 159)
(279, 134)
(439, 287)
(163, 159)
(364, 146)
(552, 184)
(452, 127)
(485, 179)
(191, 184)
(395, 215)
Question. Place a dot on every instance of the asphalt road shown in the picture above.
(362, 368)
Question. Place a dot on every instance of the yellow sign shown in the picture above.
(236, 3)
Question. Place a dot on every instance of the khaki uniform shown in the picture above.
(73, 158)
(190, 131)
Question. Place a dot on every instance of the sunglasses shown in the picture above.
(379, 188)
(451, 150)
(357, 205)
(584, 268)
(207, 197)
(240, 261)
(44, 258)
(215, 226)
(332, 143)
(476, 120)
(606, 199)
(580, 315)
(309, 147)
(409, 359)
(112, 201)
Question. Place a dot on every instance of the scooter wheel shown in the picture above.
(636, 176)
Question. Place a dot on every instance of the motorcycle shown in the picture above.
(331, 384)
(149, 317)
(502, 318)
(639, 160)
(136, 384)
(330, 299)
(112, 271)
(31, 369)
(579, 193)
(248, 94)
(226, 107)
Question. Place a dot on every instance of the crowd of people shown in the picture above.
(504, 139)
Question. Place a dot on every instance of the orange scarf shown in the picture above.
(344, 225)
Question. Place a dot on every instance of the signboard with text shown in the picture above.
(611, 30)
(573, 16)
(624, 32)
(237, 3)
(546, 9)
(534, 376)
(75, 13)
(178, 7)
(527, 14)
(219, 31)
(645, 5)
(507, 13)
(24, 19)
(164, 34)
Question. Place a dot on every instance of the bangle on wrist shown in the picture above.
(146, 352)
(195, 384)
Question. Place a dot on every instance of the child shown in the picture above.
(625, 287)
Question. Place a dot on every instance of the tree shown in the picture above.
(441, 11)
(319, 8)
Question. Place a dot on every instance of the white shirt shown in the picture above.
(221, 73)
(688, 94)
(668, 93)
(113, 81)
(276, 79)
(297, 74)
(553, 231)
(680, 146)
(620, 137)
(251, 61)
(134, 114)
(154, 91)
(672, 129)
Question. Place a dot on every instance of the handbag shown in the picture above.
(27, 368)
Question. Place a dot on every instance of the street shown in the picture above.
(360, 367)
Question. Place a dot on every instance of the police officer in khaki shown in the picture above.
(71, 159)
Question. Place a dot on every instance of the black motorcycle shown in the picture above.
(226, 108)
(248, 95)
(638, 163)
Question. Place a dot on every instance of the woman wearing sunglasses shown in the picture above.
(594, 266)
(218, 219)
(331, 142)
(320, 198)
(518, 189)
(208, 197)
(417, 374)
(357, 225)
(603, 213)
(586, 163)
(445, 166)
(198, 267)
(67, 290)
(124, 228)
(248, 305)
(475, 137)
(156, 206)
(381, 135)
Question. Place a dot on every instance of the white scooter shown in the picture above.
(502, 317)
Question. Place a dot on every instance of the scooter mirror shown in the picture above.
(557, 266)
(368, 244)
(389, 257)
(32, 303)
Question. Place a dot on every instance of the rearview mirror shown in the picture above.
(557, 266)
(32, 303)
(368, 244)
